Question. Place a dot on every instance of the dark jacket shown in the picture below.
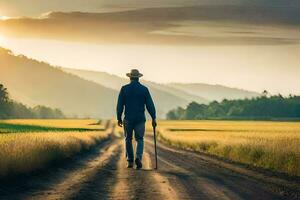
(134, 97)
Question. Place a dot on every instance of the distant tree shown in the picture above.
(3, 94)
(180, 112)
(58, 114)
(257, 108)
(192, 110)
(4, 102)
(171, 115)
(265, 93)
(235, 111)
(12, 109)
(44, 112)
(175, 114)
(18, 110)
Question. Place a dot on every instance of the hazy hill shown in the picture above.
(214, 92)
(92, 94)
(103, 78)
(202, 93)
(37, 83)
(165, 97)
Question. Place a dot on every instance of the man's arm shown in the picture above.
(120, 107)
(151, 108)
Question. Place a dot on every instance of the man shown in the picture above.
(134, 97)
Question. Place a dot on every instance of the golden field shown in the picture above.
(27, 151)
(271, 145)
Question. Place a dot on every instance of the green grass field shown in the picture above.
(27, 145)
(271, 145)
(18, 126)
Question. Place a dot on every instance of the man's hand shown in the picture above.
(154, 124)
(120, 123)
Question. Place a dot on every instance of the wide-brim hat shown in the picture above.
(134, 73)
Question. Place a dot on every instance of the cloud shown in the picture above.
(198, 25)
(16, 8)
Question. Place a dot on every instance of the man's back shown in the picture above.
(134, 97)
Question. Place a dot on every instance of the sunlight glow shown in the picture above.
(4, 18)
(249, 67)
(2, 39)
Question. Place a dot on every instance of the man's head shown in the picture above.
(134, 75)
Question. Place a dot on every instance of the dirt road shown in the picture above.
(101, 174)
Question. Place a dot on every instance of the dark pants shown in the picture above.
(139, 132)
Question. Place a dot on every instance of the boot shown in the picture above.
(129, 164)
(138, 163)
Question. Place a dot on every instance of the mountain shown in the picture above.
(199, 92)
(93, 94)
(214, 92)
(164, 96)
(103, 78)
(88, 94)
(37, 83)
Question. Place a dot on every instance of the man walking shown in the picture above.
(134, 97)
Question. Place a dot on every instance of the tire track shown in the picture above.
(162, 182)
(75, 183)
(102, 174)
(136, 184)
(101, 182)
(192, 186)
(194, 177)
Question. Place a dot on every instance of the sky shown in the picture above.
(16, 8)
(237, 44)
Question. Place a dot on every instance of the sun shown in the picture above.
(4, 18)
(2, 39)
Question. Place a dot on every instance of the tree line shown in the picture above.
(11, 109)
(263, 107)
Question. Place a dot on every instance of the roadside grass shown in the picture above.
(25, 147)
(270, 145)
(12, 126)
(58, 123)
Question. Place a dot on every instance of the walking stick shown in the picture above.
(154, 131)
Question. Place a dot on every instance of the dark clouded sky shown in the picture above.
(251, 44)
(36, 7)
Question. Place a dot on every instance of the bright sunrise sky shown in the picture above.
(274, 66)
